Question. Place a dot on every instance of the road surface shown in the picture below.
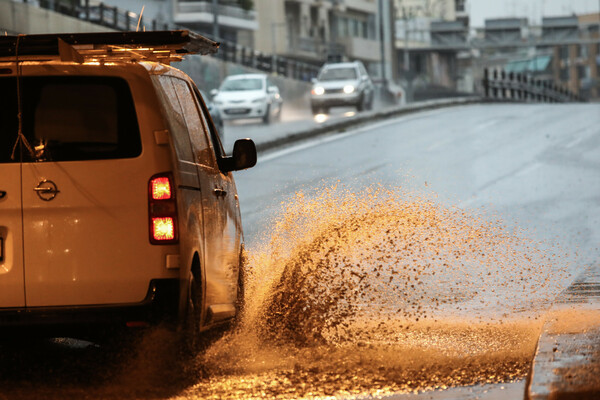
(410, 255)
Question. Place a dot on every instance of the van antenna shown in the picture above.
(137, 28)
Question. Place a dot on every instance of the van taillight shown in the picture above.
(162, 210)
(161, 188)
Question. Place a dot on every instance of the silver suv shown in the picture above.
(342, 84)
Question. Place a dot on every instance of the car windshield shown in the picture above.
(338, 74)
(242, 84)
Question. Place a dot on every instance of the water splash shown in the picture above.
(339, 258)
(383, 291)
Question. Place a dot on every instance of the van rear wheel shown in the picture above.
(190, 329)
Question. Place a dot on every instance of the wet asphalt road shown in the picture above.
(535, 166)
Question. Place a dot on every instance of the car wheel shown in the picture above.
(190, 329)
(267, 117)
(360, 106)
(370, 103)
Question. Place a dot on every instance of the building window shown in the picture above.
(564, 52)
(582, 51)
(564, 74)
(583, 72)
(460, 5)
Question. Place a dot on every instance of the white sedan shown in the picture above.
(248, 96)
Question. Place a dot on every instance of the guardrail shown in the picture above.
(500, 85)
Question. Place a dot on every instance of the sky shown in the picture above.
(479, 10)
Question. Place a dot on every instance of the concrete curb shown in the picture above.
(567, 358)
(362, 118)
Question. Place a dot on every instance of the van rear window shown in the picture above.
(69, 119)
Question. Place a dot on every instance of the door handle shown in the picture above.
(219, 192)
(2, 194)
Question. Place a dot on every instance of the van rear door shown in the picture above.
(11, 245)
(84, 222)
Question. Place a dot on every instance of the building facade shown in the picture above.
(317, 31)
(430, 35)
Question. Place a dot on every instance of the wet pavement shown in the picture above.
(419, 336)
(299, 124)
(567, 360)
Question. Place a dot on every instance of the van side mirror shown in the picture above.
(243, 156)
(214, 92)
(272, 89)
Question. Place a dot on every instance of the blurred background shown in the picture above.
(413, 49)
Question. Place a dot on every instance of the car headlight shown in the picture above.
(348, 89)
(259, 100)
(318, 90)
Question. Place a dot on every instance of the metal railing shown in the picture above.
(503, 86)
(248, 57)
(123, 20)
(96, 12)
(187, 6)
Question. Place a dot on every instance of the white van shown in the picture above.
(117, 202)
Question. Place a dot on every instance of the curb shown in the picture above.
(567, 357)
(340, 125)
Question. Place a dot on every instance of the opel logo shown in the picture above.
(46, 190)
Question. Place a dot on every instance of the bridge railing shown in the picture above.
(509, 86)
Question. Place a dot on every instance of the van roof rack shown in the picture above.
(159, 46)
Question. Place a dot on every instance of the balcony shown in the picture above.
(361, 48)
(202, 12)
(314, 49)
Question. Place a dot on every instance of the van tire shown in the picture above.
(190, 330)
(240, 302)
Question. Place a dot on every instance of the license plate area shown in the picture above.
(237, 111)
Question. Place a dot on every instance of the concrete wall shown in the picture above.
(18, 18)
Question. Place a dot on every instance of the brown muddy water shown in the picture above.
(382, 292)
(363, 294)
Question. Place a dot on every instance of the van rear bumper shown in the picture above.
(160, 305)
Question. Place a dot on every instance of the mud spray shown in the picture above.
(382, 292)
